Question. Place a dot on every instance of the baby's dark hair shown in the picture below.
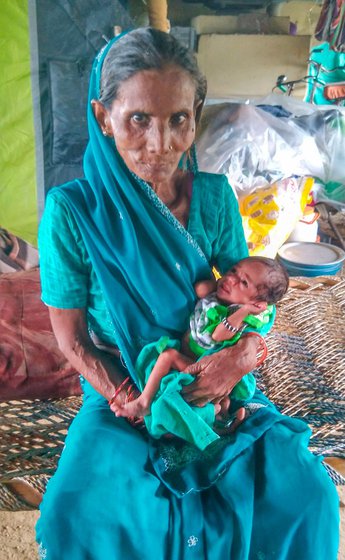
(277, 282)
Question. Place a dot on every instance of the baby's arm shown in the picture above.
(221, 332)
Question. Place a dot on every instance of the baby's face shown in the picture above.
(240, 284)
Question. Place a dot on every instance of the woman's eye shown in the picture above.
(139, 118)
(179, 118)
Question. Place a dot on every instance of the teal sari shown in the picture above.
(119, 494)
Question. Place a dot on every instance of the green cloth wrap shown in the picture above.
(170, 413)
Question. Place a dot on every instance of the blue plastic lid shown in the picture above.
(311, 254)
(311, 259)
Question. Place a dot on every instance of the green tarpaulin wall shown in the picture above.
(18, 198)
(46, 51)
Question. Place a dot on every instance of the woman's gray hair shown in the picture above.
(146, 49)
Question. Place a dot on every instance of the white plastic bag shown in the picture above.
(254, 147)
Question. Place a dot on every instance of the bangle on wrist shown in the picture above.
(135, 422)
(262, 349)
(130, 393)
(228, 326)
(118, 390)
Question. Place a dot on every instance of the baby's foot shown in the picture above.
(134, 409)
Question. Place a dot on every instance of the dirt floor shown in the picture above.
(17, 540)
(17, 535)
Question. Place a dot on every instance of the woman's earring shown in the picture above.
(104, 132)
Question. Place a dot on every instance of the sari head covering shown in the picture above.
(145, 260)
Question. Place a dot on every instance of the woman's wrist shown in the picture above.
(123, 386)
(129, 392)
(127, 389)
(261, 347)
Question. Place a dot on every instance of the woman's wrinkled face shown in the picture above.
(153, 121)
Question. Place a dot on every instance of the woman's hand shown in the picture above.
(124, 397)
(126, 394)
(217, 374)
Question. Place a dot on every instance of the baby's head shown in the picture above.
(253, 279)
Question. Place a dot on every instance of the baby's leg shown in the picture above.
(166, 361)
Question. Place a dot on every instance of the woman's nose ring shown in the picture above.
(170, 148)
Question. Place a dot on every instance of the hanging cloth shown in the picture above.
(331, 24)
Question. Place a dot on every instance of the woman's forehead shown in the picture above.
(170, 85)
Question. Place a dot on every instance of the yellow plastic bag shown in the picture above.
(269, 214)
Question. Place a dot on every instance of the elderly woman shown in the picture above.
(121, 251)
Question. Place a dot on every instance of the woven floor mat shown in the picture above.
(32, 435)
(304, 374)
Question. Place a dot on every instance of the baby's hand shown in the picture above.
(255, 308)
